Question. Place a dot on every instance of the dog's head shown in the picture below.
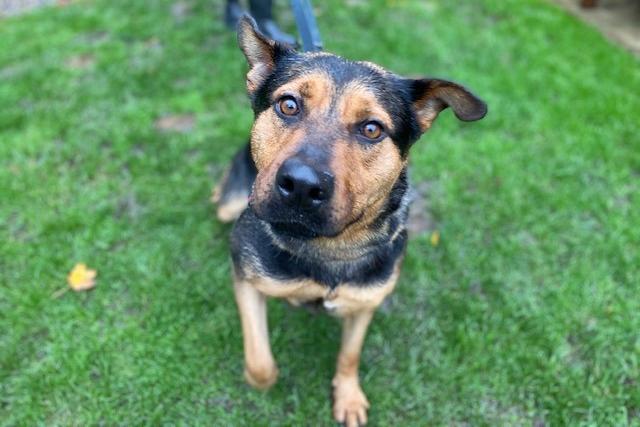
(331, 136)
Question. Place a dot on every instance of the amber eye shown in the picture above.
(288, 106)
(371, 130)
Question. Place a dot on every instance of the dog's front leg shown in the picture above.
(349, 402)
(260, 368)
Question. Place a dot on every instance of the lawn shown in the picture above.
(117, 117)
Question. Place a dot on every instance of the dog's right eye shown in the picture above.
(288, 106)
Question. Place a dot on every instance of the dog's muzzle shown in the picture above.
(300, 200)
(303, 187)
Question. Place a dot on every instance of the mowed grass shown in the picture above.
(526, 313)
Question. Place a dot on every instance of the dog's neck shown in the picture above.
(388, 224)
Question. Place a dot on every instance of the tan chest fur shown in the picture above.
(344, 299)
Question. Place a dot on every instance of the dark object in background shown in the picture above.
(262, 12)
(307, 26)
(588, 3)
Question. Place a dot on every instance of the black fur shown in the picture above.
(240, 177)
(256, 248)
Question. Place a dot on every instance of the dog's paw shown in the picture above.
(349, 402)
(230, 204)
(216, 194)
(262, 377)
(230, 209)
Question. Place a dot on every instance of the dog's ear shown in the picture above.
(430, 96)
(261, 52)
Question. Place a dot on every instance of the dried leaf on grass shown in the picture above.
(80, 278)
(435, 238)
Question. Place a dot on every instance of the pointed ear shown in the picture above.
(261, 52)
(430, 96)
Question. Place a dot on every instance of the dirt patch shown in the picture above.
(176, 123)
(128, 207)
(420, 219)
(80, 62)
(618, 20)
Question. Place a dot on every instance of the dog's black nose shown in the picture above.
(300, 184)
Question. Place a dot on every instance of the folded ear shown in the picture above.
(261, 52)
(430, 96)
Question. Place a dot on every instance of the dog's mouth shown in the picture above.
(299, 223)
(300, 230)
(292, 225)
(284, 223)
(294, 230)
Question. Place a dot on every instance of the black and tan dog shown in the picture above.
(325, 181)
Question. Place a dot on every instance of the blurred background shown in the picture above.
(518, 303)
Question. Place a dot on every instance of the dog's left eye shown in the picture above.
(288, 106)
(371, 130)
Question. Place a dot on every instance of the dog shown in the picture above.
(320, 194)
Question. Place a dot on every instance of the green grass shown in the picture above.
(527, 312)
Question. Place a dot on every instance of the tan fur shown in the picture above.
(231, 209)
(364, 176)
(269, 153)
(216, 193)
(349, 401)
(272, 142)
(341, 301)
(354, 304)
(346, 300)
(256, 76)
(357, 103)
(442, 94)
(260, 367)
(259, 53)
(316, 89)
(427, 110)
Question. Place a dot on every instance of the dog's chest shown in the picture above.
(341, 300)
(342, 286)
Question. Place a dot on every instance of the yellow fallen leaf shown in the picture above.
(81, 278)
(435, 238)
